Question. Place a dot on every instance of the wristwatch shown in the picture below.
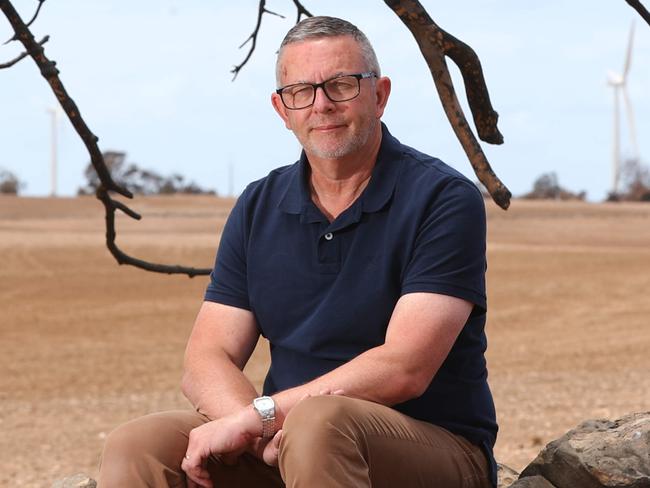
(265, 407)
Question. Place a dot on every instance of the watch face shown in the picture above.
(264, 403)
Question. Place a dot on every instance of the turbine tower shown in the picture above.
(53, 151)
(619, 83)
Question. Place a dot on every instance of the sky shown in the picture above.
(152, 78)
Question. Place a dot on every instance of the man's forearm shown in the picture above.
(378, 375)
(216, 387)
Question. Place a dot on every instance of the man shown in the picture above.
(364, 265)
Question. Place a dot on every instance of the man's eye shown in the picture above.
(300, 91)
(341, 85)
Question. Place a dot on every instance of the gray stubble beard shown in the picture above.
(356, 142)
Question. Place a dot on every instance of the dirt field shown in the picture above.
(87, 344)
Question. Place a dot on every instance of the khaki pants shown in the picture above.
(328, 441)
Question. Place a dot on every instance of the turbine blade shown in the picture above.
(628, 55)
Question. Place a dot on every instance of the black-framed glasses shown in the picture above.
(338, 89)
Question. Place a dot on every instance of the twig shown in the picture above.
(435, 44)
(51, 74)
(253, 37)
(301, 10)
(638, 6)
(38, 9)
(9, 64)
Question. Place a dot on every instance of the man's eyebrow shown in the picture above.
(335, 75)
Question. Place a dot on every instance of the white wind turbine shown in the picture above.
(619, 83)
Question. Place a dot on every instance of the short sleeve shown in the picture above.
(449, 251)
(228, 279)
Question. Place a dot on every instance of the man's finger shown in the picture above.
(192, 484)
(197, 474)
(277, 438)
(272, 450)
(195, 479)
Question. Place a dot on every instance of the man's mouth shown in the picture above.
(327, 127)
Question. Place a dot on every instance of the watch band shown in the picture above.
(268, 427)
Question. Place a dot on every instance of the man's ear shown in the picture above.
(279, 107)
(382, 92)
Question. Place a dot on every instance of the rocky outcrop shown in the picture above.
(506, 476)
(596, 454)
(532, 482)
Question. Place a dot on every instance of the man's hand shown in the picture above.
(226, 438)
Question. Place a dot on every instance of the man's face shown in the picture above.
(331, 130)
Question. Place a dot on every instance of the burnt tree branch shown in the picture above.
(435, 44)
(301, 10)
(9, 64)
(253, 37)
(51, 74)
(38, 10)
(638, 6)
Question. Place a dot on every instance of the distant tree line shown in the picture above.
(547, 187)
(138, 180)
(634, 186)
(9, 183)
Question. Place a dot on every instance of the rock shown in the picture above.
(76, 481)
(506, 476)
(597, 454)
(532, 482)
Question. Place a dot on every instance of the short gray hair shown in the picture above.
(323, 26)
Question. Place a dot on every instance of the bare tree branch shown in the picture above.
(9, 64)
(253, 37)
(435, 44)
(485, 117)
(38, 9)
(51, 74)
(301, 10)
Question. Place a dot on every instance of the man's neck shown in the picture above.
(336, 183)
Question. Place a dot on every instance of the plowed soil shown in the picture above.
(86, 344)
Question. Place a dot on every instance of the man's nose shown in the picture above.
(321, 101)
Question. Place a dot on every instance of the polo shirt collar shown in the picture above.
(297, 199)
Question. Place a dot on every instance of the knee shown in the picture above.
(147, 449)
(322, 443)
(316, 420)
(134, 439)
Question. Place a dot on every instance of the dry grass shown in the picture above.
(87, 344)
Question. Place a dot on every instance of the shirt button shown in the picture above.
(329, 236)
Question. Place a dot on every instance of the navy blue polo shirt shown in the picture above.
(323, 292)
